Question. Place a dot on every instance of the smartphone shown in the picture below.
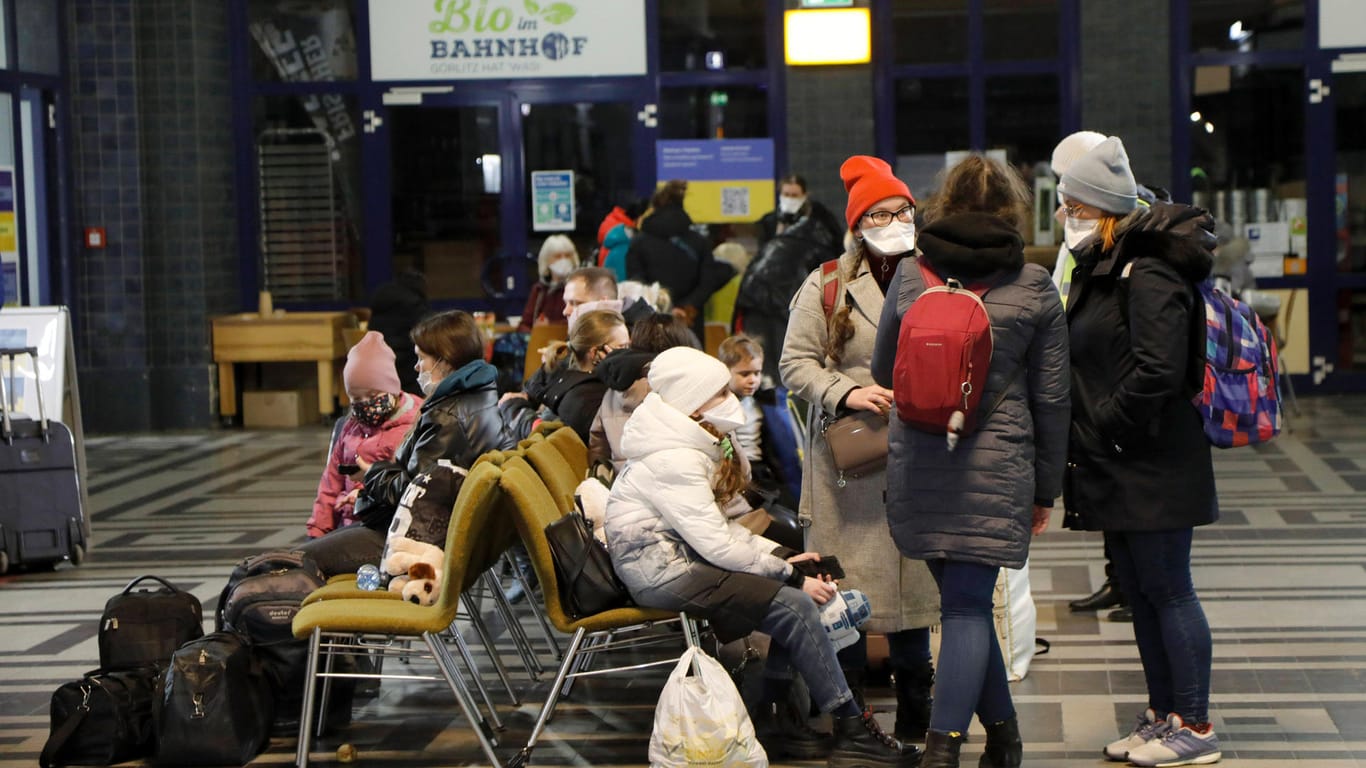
(831, 565)
(348, 469)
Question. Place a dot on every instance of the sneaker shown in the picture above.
(1148, 727)
(1178, 746)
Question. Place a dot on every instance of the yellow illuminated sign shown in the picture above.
(827, 36)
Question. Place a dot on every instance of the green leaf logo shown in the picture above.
(532, 8)
(558, 13)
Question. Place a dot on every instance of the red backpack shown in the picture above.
(943, 353)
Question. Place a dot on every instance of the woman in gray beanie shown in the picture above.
(1139, 467)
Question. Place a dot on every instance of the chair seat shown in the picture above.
(619, 617)
(387, 617)
(346, 589)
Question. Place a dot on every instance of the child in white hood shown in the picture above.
(675, 550)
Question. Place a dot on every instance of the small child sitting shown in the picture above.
(379, 417)
(768, 438)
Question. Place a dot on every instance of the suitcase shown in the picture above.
(41, 520)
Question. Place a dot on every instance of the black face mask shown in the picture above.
(373, 411)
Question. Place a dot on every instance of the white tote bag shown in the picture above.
(701, 720)
(1016, 620)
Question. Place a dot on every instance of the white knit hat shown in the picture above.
(1102, 178)
(1072, 147)
(686, 378)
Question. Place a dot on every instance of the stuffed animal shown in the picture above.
(414, 569)
(413, 555)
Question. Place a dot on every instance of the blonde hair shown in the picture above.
(737, 349)
(555, 245)
(983, 185)
(733, 254)
(590, 332)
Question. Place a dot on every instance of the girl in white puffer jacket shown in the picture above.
(675, 550)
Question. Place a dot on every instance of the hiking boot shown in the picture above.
(941, 749)
(861, 743)
(783, 732)
(913, 700)
(1178, 746)
(1148, 727)
(1108, 596)
(1004, 747)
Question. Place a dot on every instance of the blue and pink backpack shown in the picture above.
(1239, 402)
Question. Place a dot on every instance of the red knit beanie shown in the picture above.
(868, 180)
(370, 366)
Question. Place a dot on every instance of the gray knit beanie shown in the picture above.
(1102, 178)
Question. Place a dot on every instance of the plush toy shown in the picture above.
(413, 555)
(414, 568)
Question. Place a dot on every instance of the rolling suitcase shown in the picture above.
(41, 521)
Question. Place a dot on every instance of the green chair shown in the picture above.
(571, 446)
(531, 508)
(474, 541)
(555, 472)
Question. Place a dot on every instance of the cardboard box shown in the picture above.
(279, 409)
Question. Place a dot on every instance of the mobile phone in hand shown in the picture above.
(348, 469)
(829, 564)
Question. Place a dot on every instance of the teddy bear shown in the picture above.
(414, 568)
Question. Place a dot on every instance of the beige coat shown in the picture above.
(850, 522)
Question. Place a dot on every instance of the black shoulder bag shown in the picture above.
(588, 584)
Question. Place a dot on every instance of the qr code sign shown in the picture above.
(735, 201)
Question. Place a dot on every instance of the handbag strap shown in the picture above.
(52, 749)
(141, 579)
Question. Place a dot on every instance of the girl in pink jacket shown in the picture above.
(381, 413)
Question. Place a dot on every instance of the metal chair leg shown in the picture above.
(539, 612)
(480, 628)
(476, 676)
(514, 627)
(446, 664)
(553, 698)
(310, 685)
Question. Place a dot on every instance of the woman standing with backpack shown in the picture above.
(825, 361)
(967, 508)
(1139, 465)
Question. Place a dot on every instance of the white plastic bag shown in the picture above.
(701, 720)
(1016, 620)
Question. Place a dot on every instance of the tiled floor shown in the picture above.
(1282, 578)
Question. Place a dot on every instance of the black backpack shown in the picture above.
(213, 706)
(263, 594)
(143, 627)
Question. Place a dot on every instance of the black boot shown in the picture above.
(1108, 596)
(941, 749)
(785, 732)
(913, 700)
(861, 743)
(1004, 748)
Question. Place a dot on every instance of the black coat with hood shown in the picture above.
(666, 250)
(1138, 459)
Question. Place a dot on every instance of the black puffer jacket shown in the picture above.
(1138, 459)
(669, 252)
(458, 422)
(780, 266)
(562, 393)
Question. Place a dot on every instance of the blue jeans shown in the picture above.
(1153, 569)
(971, 675)
(799, 642)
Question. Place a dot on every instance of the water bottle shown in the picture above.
(367, 577)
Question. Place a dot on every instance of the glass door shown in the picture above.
(1346, 360)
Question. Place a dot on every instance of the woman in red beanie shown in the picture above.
(825, 361)
(381, 413)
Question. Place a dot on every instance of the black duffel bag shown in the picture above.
(142, 627)
(588, 584)
(102, 719)
(214, 705)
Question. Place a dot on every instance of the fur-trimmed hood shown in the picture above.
(971, 246)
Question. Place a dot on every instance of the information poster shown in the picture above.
(728, 179)
(552, 201)
(9, 238)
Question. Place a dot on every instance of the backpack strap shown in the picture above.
(933, 280)
(830, 287)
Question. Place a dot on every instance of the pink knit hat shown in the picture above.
(370, 366)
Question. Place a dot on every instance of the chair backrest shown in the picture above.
(476, 536)
(541, 335)
(554, 471)
(571, 446)
(712, 336)
(531, 508)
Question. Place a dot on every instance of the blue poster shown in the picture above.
(552, 201)
(714, 159)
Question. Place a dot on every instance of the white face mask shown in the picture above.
(561, 267)
(726, 417)
(1075, 232)
(788, 204)
(897, 237)
(428, 383)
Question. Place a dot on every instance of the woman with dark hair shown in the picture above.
(795, 205)
(458, 421)
(970, 511)
(825, 362)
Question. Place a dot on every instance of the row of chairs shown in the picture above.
(507, 496)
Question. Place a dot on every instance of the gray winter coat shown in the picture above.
(850, 521)
(974, 504)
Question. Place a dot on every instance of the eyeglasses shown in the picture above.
(1077, 212)
(883, 218)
